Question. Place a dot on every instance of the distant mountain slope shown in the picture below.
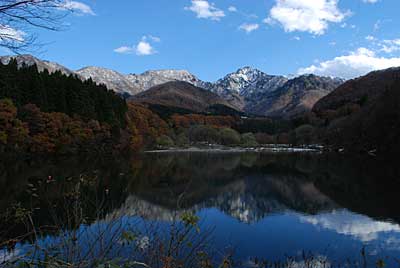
(136, 83)
(363, 89)
(376, 127)
(41, 64)
(294, 97)
(153, 78)
(245, 85)
(372, 120)
(182, 95)
(112, 79)
(256, 92)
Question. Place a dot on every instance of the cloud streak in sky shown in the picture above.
(204, 10)
(356, 63)
(249, 27)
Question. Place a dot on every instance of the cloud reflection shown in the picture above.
(358, 226)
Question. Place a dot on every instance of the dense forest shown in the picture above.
(57, 92)
(42, 112)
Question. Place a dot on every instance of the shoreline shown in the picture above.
(267, 149)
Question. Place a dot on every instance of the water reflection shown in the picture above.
(358, 226)
(265, 204)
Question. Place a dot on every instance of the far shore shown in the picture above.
(271, 148)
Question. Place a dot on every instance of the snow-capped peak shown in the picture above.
(152, 78)
(247, 81)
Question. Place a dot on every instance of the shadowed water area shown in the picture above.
(260, 205)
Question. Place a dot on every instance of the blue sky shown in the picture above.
(212, 38)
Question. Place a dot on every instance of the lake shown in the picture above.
(249, 206)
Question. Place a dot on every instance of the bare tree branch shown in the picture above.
(19, 18)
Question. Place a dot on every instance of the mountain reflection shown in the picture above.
(270, 205)
(246, 186)
(248, 198)
(249, 187)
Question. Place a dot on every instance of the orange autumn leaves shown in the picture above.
(185, 121)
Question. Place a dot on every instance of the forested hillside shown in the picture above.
(181, 95)
(57, 92)
(42, 112)
(373, 127)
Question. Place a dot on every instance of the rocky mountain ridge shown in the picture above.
(29, 60)
(246, 89)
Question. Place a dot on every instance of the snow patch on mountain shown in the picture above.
(248, 89)
(111, 79)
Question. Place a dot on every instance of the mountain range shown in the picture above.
(247, 89)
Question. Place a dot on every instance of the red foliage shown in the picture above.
(144, 126)
(185, 121)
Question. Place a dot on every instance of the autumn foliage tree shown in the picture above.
(185, 121)
(13, 132)
(144, 126)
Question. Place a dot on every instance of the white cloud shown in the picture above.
(249, 27)
(370, 38)
(311, 16)
(269, 21)
(360, 227)
(124, 50)
(154, 38)
(232, 9)
(205, 10)
(390, 46)
(7, 34)
(143, 48)
(78, 7)
(370, 1)
(356, 63)
(377, 25)
(386, 46)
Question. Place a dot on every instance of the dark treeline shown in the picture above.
(56, 92)
(371, 125)
(42, 112)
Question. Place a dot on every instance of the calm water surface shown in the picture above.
(265, 205)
